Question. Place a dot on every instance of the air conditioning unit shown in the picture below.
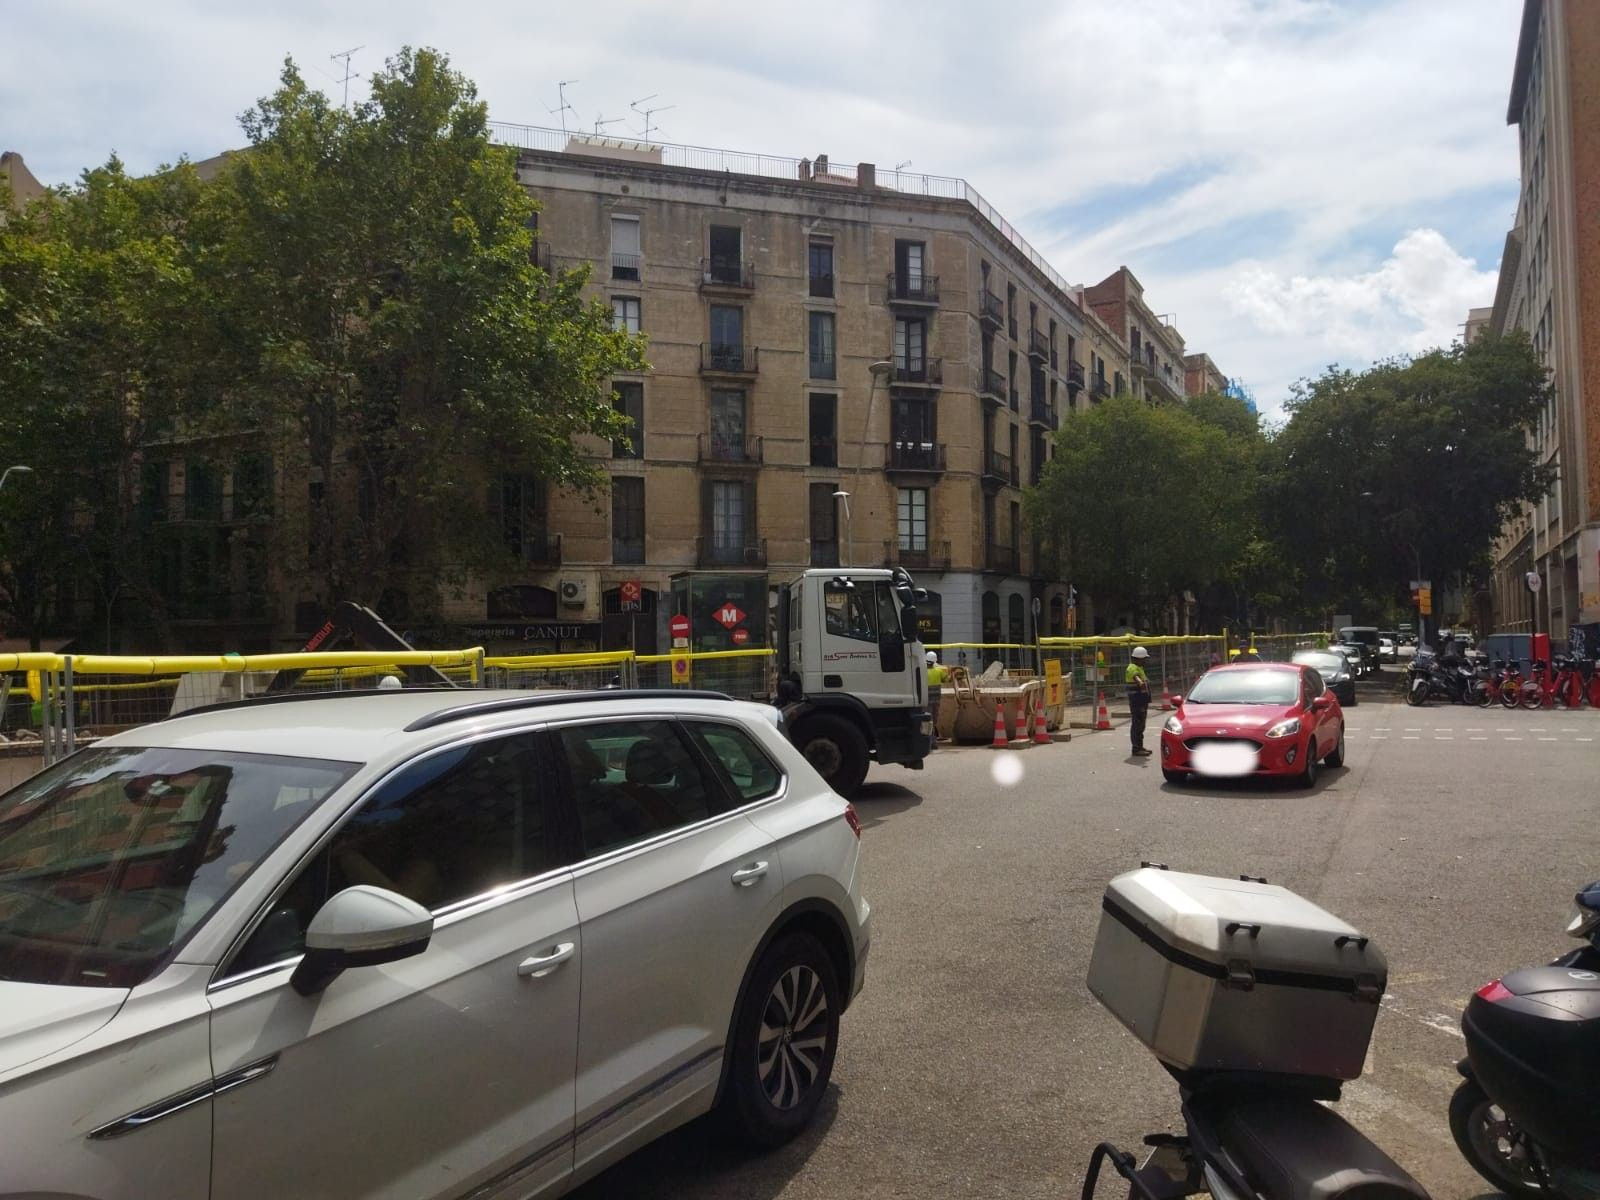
(574, 592)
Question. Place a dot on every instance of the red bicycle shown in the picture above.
(1575, 682)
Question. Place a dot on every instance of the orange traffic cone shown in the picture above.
(1000, 740)
(1041, 735)
(1102, 719)
(1166, 697)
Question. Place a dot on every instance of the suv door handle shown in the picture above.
(541, 965)
(745, 876)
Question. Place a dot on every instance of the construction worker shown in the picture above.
(1138, 699)
(936, 677)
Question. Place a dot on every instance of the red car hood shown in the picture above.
(1243, 719)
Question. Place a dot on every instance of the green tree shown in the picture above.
(1409, 464)
(378, 321)
(1141, 502)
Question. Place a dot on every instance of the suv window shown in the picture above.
(632, 780)
(753, 775)
(452, 826)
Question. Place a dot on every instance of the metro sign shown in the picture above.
(728, 616)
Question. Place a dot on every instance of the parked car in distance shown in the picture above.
(419, 943)
(1335, 671)
(1254, 719)
(1365, 636)
(1356, 656)
(1387, 651)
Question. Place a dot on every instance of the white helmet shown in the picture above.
(1140, 652)
(932, 658)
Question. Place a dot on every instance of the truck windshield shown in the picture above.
(109, 859)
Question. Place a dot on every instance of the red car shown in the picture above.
(1254, 719)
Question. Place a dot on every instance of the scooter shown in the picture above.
(1255, 1127)
(1428, 679)
(1527, 1113)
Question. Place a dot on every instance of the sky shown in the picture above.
(1299, 182)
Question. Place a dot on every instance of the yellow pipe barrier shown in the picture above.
(704, 655)
(107, 664)
(603, 658)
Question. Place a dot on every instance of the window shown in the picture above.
(991, 617)
(625, 313)
(453, 826)
(911, 422)
(202, 491)
(912, 507)
(632, 780)
(629, 401)
(1014, 459)
(524, 517)
(1016, 523)
(1011, 311)
(729, 511)
(820, 255)
(824, 429)
(821, 342)
(1119, 386)
(752, 774)
(113, 856)
(1016, 622)
(727, 426)
(908, 266)
(1033, 316)
(1011, 375)
(824, 525)
(727, 329)
(727, 245)
(909, 339)
(625, 256)
(627, 519)
(252, 486)
(850, 612)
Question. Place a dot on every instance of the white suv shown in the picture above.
(416, 944)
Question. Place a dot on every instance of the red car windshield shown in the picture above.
(1246, 687)
(109, 859)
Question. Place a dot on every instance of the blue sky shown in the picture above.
(1300, 181)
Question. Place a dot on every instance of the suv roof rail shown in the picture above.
(301, 697)
(462, 712)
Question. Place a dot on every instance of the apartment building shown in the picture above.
(1154, 345)
(1201, 375)
(1549, 286)
(847, 367)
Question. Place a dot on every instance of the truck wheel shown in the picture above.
(837, 750)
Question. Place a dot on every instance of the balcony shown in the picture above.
(1163, 387)
(714, 551)
(929, 372)
(1100, 388)
(1140, 367)
(725, 451)
(727, 275)
(991, 311)
(931, 556)
(719, 359)
(1001, 558)
(919, 290)
(1040, 413)
(1038, 346)
(1075, 376)
(914, 458)
(625, 266)
(541, 549)
(991, 385)
(998, 468)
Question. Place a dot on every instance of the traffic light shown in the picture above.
(1425, 601)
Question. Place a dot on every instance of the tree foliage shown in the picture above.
(1141, 502)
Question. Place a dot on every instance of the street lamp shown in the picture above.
(849, 535)
(880, 372)
(20, 470)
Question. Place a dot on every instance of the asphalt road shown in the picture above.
(976, 1064)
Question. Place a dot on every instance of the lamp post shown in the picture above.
(880, 371)
(849, 534)
(19, 469)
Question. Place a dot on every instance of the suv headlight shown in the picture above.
(1285, 728)
(1173, 725)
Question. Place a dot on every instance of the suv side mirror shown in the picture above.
(362, 926)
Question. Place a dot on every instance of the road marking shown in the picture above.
(1474, 728)
(1383, 728)
(1383, 737)
(1535, 728)
(1511, 739)
(1583, 739)
(1507, 729)
(1544, 739)
(1481, 738)
(1418, 729)
(1409, 737)
(1443, 739)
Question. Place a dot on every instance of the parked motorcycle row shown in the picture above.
(1565, 681)
(1217, 978)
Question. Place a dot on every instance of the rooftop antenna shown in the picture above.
(649, 113)
(348, 73)
(565, 108)
(601, 122)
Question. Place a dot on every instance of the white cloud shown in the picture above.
(1415, 300)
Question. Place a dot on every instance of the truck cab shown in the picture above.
(852, 679)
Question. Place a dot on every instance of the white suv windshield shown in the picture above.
(109, 859)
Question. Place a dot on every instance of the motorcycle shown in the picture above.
(1527, 1109)
(1428, 679)
(1254, 1123)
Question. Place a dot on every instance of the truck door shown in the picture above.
(857, 653)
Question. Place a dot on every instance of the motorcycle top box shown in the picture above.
(1235, 975)
(1533, 1039)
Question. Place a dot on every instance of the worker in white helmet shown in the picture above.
(1138, 699)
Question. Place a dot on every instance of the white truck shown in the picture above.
(852, 681)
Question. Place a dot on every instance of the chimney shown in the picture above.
(866, 176)
(822, 164)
